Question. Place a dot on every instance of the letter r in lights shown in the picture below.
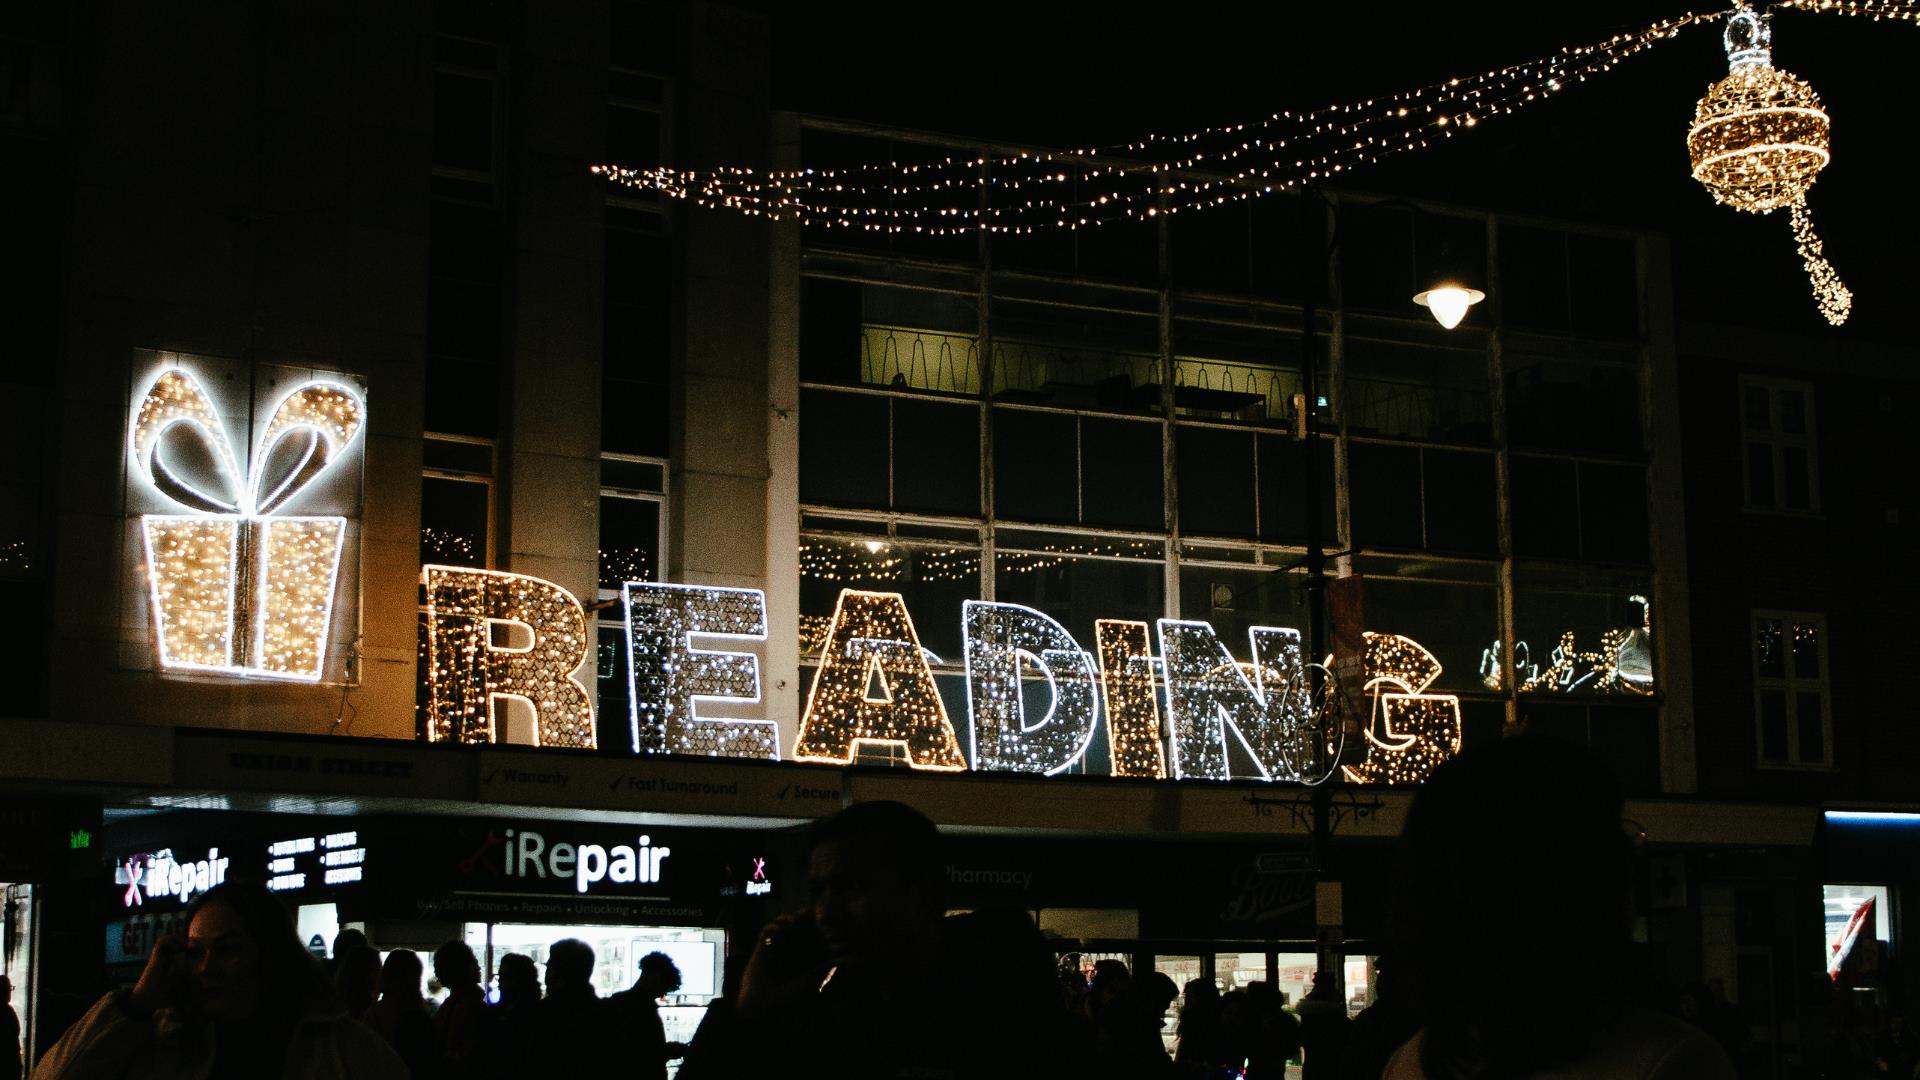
(468, 672)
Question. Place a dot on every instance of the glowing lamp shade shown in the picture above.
(1449, 302)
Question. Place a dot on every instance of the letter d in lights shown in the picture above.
(999, 638)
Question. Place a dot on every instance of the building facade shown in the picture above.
(370, 312)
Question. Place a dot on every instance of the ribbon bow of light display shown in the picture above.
(237, 586)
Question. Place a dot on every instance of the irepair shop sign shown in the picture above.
(495, 636)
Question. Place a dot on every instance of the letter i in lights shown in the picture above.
(1133, 702)
(874, 686)
(468, 671)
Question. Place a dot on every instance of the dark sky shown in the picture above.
(1610, 150)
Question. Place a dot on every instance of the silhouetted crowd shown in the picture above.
(1510, 929)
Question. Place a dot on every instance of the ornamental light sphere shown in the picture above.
(1759, 140)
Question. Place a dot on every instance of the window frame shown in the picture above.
(1792, 685)
(490, 481)
(1777, 442)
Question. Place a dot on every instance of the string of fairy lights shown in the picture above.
(1754, 135)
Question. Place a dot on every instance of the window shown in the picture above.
(1579, 631)
(633, 547)
(1791, 695)
(456, 501)
(466, 91)
(637, 334)
(1565, 509)
(466, 273)
(1777, 445)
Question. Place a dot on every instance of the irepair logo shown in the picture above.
(528, 855)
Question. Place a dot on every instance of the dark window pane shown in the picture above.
(829, 331)
(453, 522)
(1385, 495)
(1613, 512)
(1773, 725)
(463, 319)
(936, 457)
(462, 397)
(613, 721)
(1074, 356)
(634, 417)
(1812, 727)
(1376, 258)
(1806, 650)
(1122, 251)
(1770, 648)
(1121, 473)
(1760, 474)
(1455, 614)
(1216, 481)
(633, 137)
(934, 581)
(1078, 591)
(1283, 500)
(843, 449)
(1533, 278)
(1211, 251)
(1797, 478)
(1758, 417)
(1793, 412)
(629, 541)
(1461, 515)
(1411, 392)
(1034, 457)
(1545, 509)
(1604, 285)
(462, 121)
(465, 242)
(1573, 405)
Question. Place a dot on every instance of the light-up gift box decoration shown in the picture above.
(236, 585)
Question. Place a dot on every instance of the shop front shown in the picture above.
(500, 884)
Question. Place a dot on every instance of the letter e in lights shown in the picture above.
(669, 677)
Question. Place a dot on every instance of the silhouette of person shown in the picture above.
(1276, 1031)
(240, 995)
(356, 978)
(1200, 1037)
(863, 982)
(10, 1063)
(1381, 1028)
(400, 1016)
(572, 1033)
(1127, 1034)
(461, 1020)
(1323, 1030)
(509, 1025)
(647, 1046)
(1513, 917)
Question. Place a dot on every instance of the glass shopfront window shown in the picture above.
(1582, 632)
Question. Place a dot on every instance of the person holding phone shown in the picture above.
(238, 996)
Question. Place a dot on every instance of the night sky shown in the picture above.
(1611, 150)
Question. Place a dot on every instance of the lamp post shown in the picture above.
(1448, 294)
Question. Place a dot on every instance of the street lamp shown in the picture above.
(1448, 293)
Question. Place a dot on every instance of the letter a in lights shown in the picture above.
(1208, 694)
(1000, 638)
(468, 670)
(873, 686)
(669, 677)
(1416, 731)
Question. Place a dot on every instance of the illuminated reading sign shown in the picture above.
(235, 585)
(1033, 694)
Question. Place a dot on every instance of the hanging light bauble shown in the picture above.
(1759, 140)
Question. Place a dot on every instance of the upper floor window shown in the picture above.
(1791, 694)
(1776, 436)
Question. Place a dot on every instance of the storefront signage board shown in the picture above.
(521, 777)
